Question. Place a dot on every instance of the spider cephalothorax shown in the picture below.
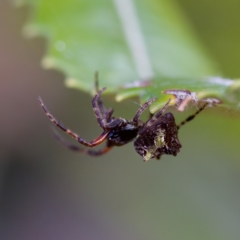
(158, 136)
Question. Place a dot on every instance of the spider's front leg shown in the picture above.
(103, 116)
(93, 143)
(99, 102)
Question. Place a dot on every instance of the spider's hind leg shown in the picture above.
(75, 148)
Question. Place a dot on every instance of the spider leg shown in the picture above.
(81, 150)
(142, 108)
(191, 117)
(103, 116)
(98, 109)
(104, 112)
(108, 115)
(99, 102)
(93, 143)
(96, 81)
(157, 115)
(98, 152)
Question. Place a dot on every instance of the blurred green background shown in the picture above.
(48, 192)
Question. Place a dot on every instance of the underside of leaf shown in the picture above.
(140, 49)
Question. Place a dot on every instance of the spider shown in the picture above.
(158, 136)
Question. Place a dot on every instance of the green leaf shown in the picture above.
(126, 40)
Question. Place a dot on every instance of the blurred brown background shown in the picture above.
(48, 192)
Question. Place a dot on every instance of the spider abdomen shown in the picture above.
(158, 138)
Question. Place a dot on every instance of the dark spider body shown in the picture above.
(158, 136)
(122, 135)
